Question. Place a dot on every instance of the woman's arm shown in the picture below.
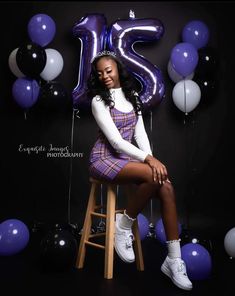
(106, 124)
(141, 136)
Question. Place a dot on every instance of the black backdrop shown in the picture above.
(197, 149)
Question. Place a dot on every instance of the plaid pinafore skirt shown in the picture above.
(105, 162)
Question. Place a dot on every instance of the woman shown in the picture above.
(116, 108)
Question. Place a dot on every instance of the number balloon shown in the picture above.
(91, 30)
(121, 38)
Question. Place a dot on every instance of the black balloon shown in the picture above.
(31, 59)
(58, 250)
(188, 236)
(53, 97)
(208, 89)
(208, 64)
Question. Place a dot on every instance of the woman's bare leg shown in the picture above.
(141, 174)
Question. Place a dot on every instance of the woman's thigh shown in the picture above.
(135, 172)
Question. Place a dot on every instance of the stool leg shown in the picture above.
(138, 247)
(109, 240)
(86, 226)
(137, 241)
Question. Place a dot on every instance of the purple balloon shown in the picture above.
(14, 237)
(91, 30)
(143, 225)
(41, 29)
(160, 231)
(121, 38)
(197, 260)
(25, 91)
(184, 58)
(197, 33)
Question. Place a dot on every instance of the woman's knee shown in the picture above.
(166, 192)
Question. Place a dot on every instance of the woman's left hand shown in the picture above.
(159, 170)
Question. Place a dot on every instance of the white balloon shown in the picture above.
(54, 65)
(229, 242)
(176, 77)
(186, 95)
(13, 65)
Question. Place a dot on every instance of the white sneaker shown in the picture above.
(176, 270)
(123, 242)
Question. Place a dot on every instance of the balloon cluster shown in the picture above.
(191, 58)
(31, 62)
(120, 37)
(14, 237)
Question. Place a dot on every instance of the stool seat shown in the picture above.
(87, 238)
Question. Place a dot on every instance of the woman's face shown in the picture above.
(108, 72)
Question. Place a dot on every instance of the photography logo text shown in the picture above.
(50, 151)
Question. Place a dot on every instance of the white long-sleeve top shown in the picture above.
(105, 122)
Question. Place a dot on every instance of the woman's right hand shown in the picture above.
(159, 170)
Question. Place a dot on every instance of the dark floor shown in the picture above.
(23, 273)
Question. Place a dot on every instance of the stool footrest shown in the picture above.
(98, 214)
(97, 235)
(95, 245)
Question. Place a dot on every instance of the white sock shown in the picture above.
(174, 250)
(126, 221)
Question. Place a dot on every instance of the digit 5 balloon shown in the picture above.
(121, 38)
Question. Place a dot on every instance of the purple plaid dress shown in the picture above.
(105, 161)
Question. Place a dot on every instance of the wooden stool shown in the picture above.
(92, 210)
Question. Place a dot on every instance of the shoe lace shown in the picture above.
(129, 240)
(181, 267)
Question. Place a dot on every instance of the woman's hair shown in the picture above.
(127, 82)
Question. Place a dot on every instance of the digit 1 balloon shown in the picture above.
(91, 31)
(121, 38)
